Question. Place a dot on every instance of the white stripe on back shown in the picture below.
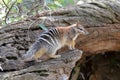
(46, 41)
(49, 37)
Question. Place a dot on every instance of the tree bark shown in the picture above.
(101, 19)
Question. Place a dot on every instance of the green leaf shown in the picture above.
(49, 1)
(19, 1)
(43, 26)
(66, 2)
(58, 4)
(6, 1)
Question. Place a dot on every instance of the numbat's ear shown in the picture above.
(77, 24)
(74, 25)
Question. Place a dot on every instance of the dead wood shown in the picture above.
(102, 19)
(54, 69)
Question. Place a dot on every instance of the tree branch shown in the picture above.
(9, 9)
(5, 4)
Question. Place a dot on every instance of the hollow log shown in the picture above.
(101, 19)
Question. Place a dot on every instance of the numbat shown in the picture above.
(53, 39)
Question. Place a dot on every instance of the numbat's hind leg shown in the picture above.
(39, 54)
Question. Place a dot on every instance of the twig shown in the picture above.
(5, 4)
(32, 8)
(45, 6)
(9, 11)
(29, 28)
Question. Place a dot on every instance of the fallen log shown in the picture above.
(101, 19)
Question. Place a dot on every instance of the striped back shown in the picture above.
(50, 37)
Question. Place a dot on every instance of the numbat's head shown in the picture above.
(79, 29)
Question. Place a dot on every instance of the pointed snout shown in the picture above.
(86, 33)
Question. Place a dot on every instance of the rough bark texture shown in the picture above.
(101, 19)
(54, 69)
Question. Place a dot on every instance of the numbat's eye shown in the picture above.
(80, 29)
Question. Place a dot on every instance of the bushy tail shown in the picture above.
(31, 52)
